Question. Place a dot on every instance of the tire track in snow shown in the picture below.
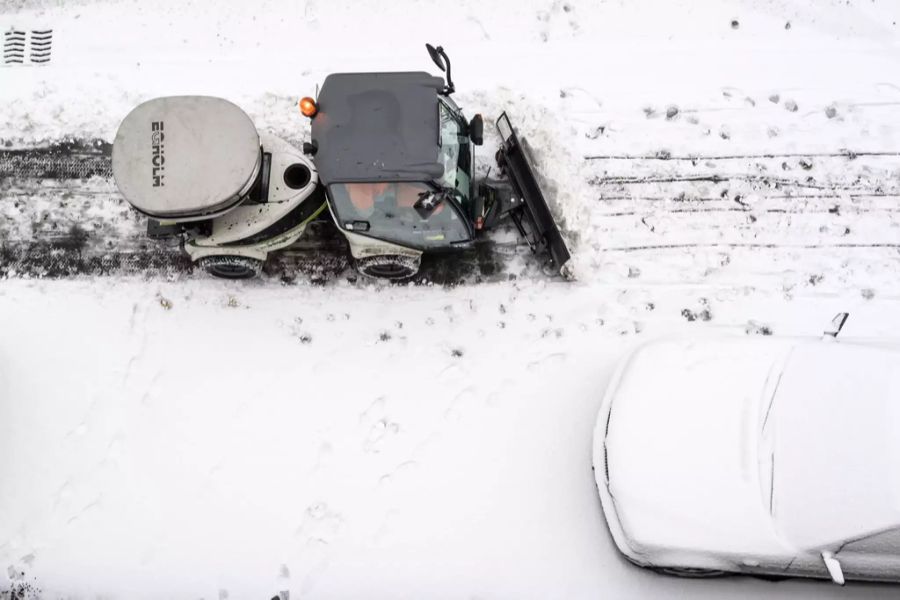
(778, 182)
(83, 226)
(750, 210)
(714, 245)
(696, 158)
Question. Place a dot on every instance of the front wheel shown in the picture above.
(231, 267)
(394, 267)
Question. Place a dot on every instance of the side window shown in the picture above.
(388, 211)
(455, 154)
(876, 556)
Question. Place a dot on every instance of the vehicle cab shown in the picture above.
(396, 159)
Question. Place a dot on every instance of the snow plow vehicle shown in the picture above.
(391, 159)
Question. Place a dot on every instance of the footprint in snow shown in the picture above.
(554, 358)
(320, 524)
(460, 401)
(398, 473)
(283, 583)
(323, 456)
(756, 328)
(378, 433)
(701, 315)
(629, 328)
(378, 426)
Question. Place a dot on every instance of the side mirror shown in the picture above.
(442, 61)
(476, 130)
(837, 323)
(434, 53)
(834, 567)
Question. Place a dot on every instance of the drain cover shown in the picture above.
(22, 47)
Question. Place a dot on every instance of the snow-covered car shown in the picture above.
(769, 456)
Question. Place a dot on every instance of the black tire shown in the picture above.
(690, 573)
(231, 267)
(393, 267)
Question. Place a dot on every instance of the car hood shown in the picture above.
(682, 446)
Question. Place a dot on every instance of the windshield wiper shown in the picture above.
(771, 401)
(782, 365)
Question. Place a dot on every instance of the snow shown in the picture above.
(183, 437)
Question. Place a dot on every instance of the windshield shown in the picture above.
(455, 153)
(387, 210)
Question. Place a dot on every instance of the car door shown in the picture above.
(875, 557)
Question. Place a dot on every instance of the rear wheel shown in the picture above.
(394, 267)
(231, 267)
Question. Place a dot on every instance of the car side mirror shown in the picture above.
(837, 323)
(476, 130)
(834, 567)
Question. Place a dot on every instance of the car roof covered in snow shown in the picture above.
(378, 127)
(836, 450)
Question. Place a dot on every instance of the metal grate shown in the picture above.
(41, 45)
(14, 47)
(27, 47)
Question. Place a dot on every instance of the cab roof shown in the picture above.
(378, 127)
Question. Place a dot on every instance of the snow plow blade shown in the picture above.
(537, 227)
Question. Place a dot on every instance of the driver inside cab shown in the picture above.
(386, 195)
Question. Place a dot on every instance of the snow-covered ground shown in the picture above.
(191, 438)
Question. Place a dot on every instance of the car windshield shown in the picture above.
(388, 211)
(455, 154)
